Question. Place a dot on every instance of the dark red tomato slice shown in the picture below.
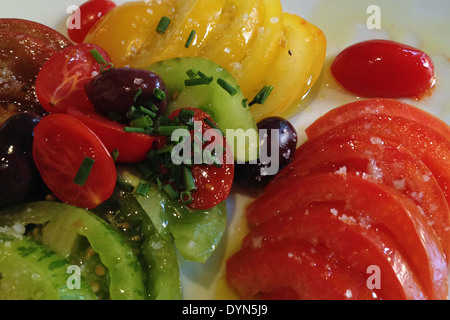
(36, 30)
(376, 204)
(132, 147)
(354, 246)
(61, 143)
(89, 13)
(60, 83)
(382, 68)
(21, 58)
(357, 109)
(380, 161)
(213, 183)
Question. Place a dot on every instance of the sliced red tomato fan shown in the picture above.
(361, 213)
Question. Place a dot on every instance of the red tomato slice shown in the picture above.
(60, 145)
(90, 12)
(380, 161)
(60, 83)
(353, 245)
(132, 147)
(213, 183)
(423, 141)
(378, 205)
(382, 68)
(353, 110)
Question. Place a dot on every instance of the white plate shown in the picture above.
(420, 23)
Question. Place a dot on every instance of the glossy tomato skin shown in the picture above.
(90, 12)
(60, 145)
(60, 82)
(132, 147)
(383, 68)
(213, 183)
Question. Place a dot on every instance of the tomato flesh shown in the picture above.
(60, 145)
(60, 83)
(377, 204)
(382, 68)
(357, 109)
(89, 13)
(132, 147)
(380, 161)
(353, 246)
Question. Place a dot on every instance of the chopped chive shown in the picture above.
(159, 94)
(262, 95)
(168, 130)
(244, 103)
(185, 116)
(190, 39)
(115, 154)
(188, 180)
(170, 191)
(143, 189)
(198, 81)
(192, 73)
(144, 110)
(163, 25)
(186, 198)
(134, 130)
(84, 171)
(98, 57)
(165, 149)
(227, 87)
(138, 94)
(142, 122)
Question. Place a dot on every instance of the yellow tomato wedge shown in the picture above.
(261, 55)
(290, 74)
(201, 20)
(235, 33)
(127, 30)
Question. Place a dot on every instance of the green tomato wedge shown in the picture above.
(31, 271)
(215, 91)
(157, 254)
(66, 229)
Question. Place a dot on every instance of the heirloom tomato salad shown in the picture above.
(128, 135)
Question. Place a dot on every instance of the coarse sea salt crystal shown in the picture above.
(348, 293)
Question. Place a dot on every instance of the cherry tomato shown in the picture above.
(61, 144)
(213, 183)
(382, 68)
(60, 82)
(132, 147)
(90, 12)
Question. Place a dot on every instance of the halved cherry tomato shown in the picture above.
(353, 110)
(377, 205)
(352, 247)
(61, 144)
(213, 183)
(383, 68)
(90, 12)
(60, 83)
(132, 147)
(380, 161)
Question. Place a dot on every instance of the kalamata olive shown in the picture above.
(115, 91)
(262, 172)
(18, 174)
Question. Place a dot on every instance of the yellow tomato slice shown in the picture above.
(290, 74)
(234, 33)
(126, 31)
(202, 19)
(263, 51)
